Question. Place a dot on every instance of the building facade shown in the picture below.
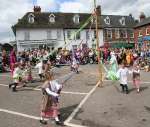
(37, 29)
(142, 32)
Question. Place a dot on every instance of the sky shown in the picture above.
(12, 10)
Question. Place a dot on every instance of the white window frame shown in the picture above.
(78, 36)
(140, 33)
(109, 30)
(27, 35)
(31, 18)
(132, 34)
(69, 33)
(87, 35)
(107, 20)
(124, 30)
(52, 18)
(49, 34)
(76, 19)
(122, 21)
(117, 33)
(147, 31)
(58, 34)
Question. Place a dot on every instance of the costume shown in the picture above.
(136, 78)
(49, 108)
(17, 77)
(75, 66)
(122, 75)
(40, 68)
(111, 73)
(13, 60)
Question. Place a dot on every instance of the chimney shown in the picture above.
(142, 16)
(37, 9)
(98, 10)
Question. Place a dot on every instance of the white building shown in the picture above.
(37, 29)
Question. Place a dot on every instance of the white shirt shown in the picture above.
(40, 67)
(122, 74)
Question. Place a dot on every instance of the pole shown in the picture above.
(97, 45)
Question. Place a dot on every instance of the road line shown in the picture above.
(64, 92)
(19, 114)
(74, 125)
(128, 81)
(80, 105)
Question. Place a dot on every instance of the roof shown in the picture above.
(65, 20)
(143, 23)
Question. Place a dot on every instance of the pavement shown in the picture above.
(82, 102)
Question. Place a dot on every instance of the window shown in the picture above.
(58, 33)
(123, 34)
(78, 36)
(76, 19)
(107, 20)
(147, 31)
(52, 18)
(94, 33)
(122, 21)
(140, 33)
(49, 34)
(31, 18)
(131, 34)
(117, 33)
(87, 35)
(69, 34)
(26, 35)
(109, 33)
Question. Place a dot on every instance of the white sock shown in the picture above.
(56, 118)
(41, 118)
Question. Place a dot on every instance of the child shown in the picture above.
(122, 75)
(74, 66)
(17, 77)
(51, 90)
(136, 77)
(28, 72)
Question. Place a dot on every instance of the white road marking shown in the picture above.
(19, 114)
(129, 81)
(67, 121)
(64, 92)
(73, 125)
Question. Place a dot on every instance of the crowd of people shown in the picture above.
(22, 63)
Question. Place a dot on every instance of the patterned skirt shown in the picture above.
(49, 108)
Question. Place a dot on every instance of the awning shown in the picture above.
(146, 38)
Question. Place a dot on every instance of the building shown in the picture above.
(54, 29)
(142, 32)
(118, 30)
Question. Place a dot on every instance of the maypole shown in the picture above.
(97, 14)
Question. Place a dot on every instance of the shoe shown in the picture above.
(14, 89)
(10, 86)
(59, 123)
(43, 122)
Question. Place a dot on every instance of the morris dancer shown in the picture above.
(136, 77)
(74, 65)
(122, 75)
(16, 77)
(51, 91)
(113, 67)
(40, 67)
(13, 60)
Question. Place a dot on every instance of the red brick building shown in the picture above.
(142, 32)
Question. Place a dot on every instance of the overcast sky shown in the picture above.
(12, 10)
